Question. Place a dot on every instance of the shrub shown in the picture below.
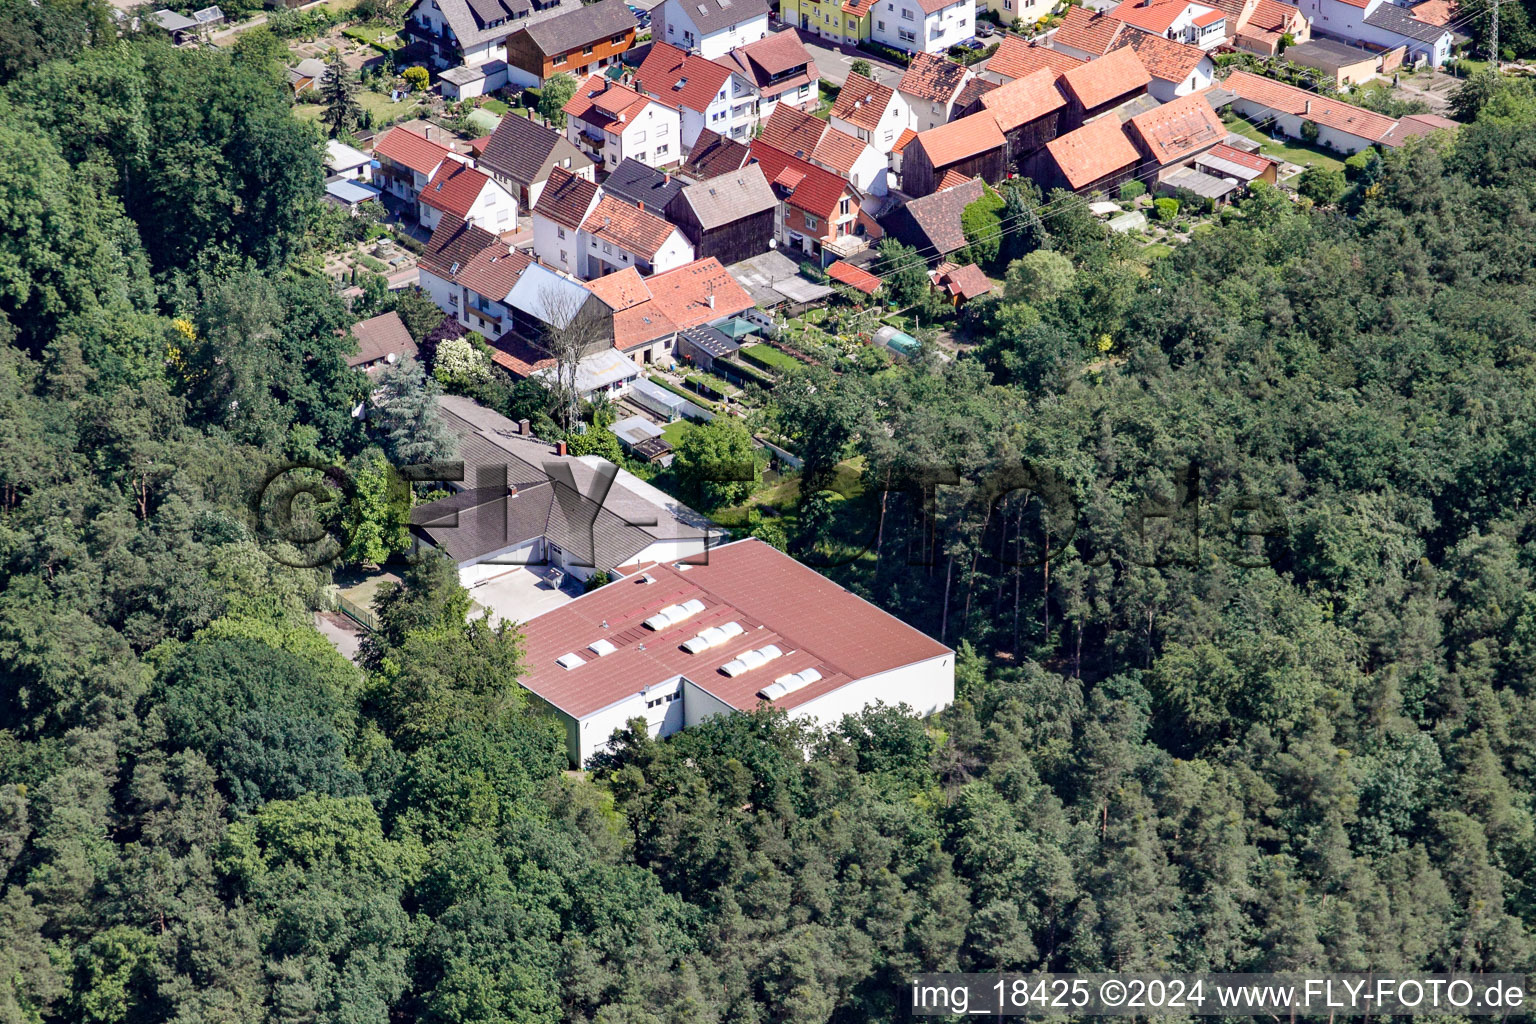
(417, 78)
(1309, 132)
(1166, 209)
(1132, 190)
(1357, 165)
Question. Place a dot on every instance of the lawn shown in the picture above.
(828, 94)
(380, 36)
(1155, 251)
(1291, 150)
(673, 433)
(383, 109)
(771, 357)
(495, 106)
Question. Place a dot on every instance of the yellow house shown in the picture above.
(843, 21)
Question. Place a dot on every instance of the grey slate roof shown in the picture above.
(518, 149)
(635, 183)
(576, 28)
(713, 15)
(472, 20)
(730, 197)
(1392, 18)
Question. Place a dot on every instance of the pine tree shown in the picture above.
(339, 91)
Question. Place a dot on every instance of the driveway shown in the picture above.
(834, 63)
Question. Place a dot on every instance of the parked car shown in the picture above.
(984, 28)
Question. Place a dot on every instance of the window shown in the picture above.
(453, 300)
(662, 129)
(559, 232)
(638, 137)
(661, 150)
(607, 248)
(881, 25)
(811, 223)
(907, 37)
(906, 14)
(842, 207)
(586, 51)
(563, 257)
(617, 40)
(502, 215)
(558, 59)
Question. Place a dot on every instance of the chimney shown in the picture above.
(1306, 108)
(560, 448)
(666, 178)
(641, 204)
(511, 490)
(711, 300)
(524, 428)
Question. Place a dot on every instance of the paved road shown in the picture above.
(834, 64)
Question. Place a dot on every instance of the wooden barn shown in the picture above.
(971, 146)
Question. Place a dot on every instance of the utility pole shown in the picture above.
(1493, 38)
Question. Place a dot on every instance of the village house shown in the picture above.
(930, 88)
(847, 22)
(1340, 126)
(1177, 69)
(820, 214)
(580, 42)
(407, 162)
(810, 138)
(341, 159)
(730, 217)
(741, 627)
(959, 284)
(616, 236)
(1381, 24)
(931, 225)
(710, 28)
(1183, 21)
(781, 71)
(923, 26)
(1030, 12)
(713, 155)
(869, 111)
(610, 123)
(1086, 34)
(641, 186)
(562, 209)
(1017, 57)
(650, 315)
(1095, 158)
(972, 146)
(1172, 136)
(474, 32)
(520, 155)
(461, 192)
(707, 94)
(381, 341)
(452, 245)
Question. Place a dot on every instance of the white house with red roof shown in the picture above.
(616, 236)
(460, 192)
(923, 26)
(710, 28)
(610, 122)
(1183, 21)
(707, 94)
(563, 207)
(408, 161)
(738, 627)
(870, 111)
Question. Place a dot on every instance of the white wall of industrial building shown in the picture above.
(925, 686)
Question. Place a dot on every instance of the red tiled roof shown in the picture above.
(1089, 31)
(380, 337)
(906, 136)
(1273, 16)
(792, 130)
(839, 151)
(453, 244)
(773, 55)
(679, 78)
(601, 102)
(1431, 12)
(622, 290)
(1162, 57)
(698, 293)
(408, 149)
(566, 198)
(953, 142)
(813, 189)
(1324, 111)
(862, 102)
(933, 78)
(1177, 130)
(1118, 73)
(1157, 16)
(1253, 161)
(494, 271)
(1096, 150)
(774, 598)
(1024, 99)
(1414, 125)
(1208, 18)
(630, 228)
(952, 179)
(858, 8)
(455, 189)
(854, 277)
(967, 281)
(1017, 57)
(640, 324)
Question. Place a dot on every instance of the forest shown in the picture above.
(1313, 748)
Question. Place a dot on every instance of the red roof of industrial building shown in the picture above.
(815, 622)
(854, 277)
(680, 78)
(408, 149)
(455, 189)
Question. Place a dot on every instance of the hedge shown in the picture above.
(743, 374)
(698, 400)
(767, 357)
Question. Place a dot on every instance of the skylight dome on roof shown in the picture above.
(601, 648)
(787, 684)
(672, 614)
(714, 636)
(570, 660)
(751, 659)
